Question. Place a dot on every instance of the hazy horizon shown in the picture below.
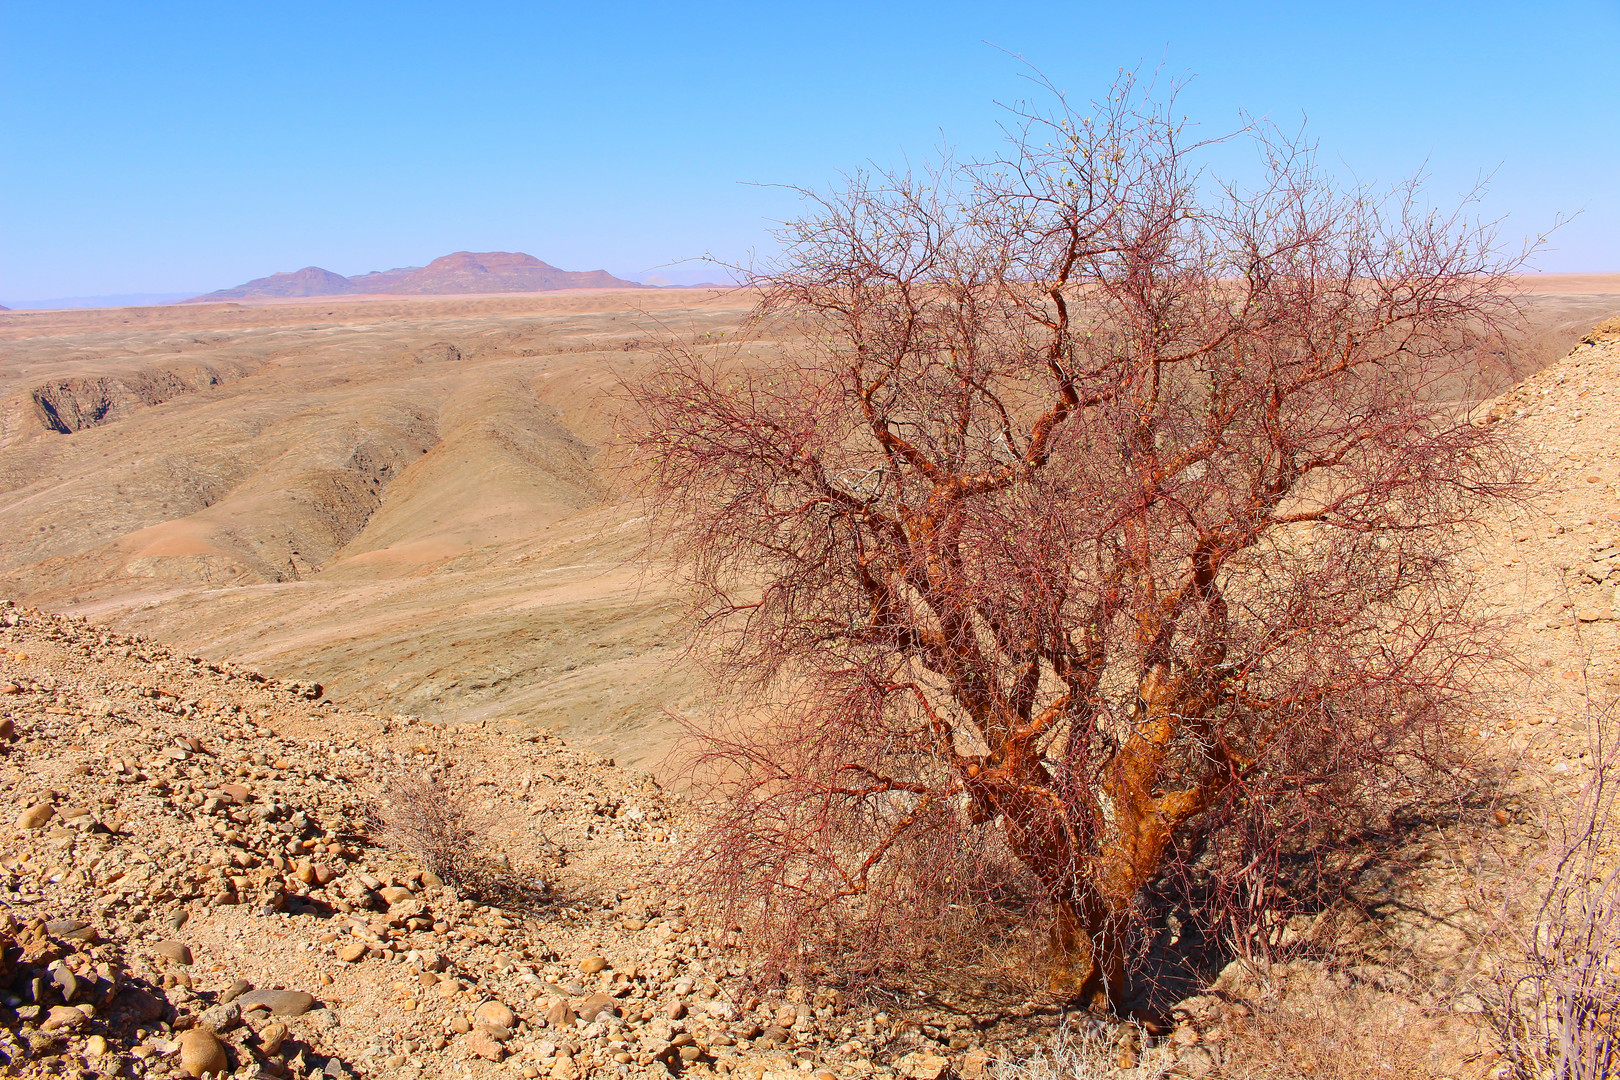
(179, 149)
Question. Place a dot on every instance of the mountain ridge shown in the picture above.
(460, 272)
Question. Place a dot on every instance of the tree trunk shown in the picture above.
(1088, 950)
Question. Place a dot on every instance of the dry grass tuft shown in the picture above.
(1091, 1051)
(419, 816)
(1557, 983)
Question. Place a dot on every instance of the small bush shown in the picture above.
(419, 816)
(1556, 1003)
(1091, 1051)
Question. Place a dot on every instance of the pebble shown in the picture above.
(353, 952)
(271, 1036)
(173, 950)
(495, 1014)
(201, 1053)
(223, 1017)
(64, 1016)
(278, 1002)
(485, 1046)
(595, 1005)
(36, 816)
(592, 964)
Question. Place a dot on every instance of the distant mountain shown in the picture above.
(495, 272)
(310, 281)
(380, 280)
(462, 272)
(114, 300)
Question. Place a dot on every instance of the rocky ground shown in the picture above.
(189, 873)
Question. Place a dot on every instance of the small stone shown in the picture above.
(223, 1017)
(271, 1036)
(95, 1046)
(560, 1016)
(65, 981)
(201, 1053)
(35, 816)
(353, 952)
(173, 950)
(237, 793)
(921, 1065)
(234, 991)
(278, 1002)
(394, 894)
(595, 1005)
(481, 1043)
(592, 964)
(675, 1010)
(976, 1065)
(143, 1006)
(1196, 1063)
(64, 1017)
(495, 1014)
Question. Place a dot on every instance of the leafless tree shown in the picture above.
(1091, 502)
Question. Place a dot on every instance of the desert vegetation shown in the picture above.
(1088, 553)
(1556, 931)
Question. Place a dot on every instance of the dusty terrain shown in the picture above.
(409, 501)
(413, 503)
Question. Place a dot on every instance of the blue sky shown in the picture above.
(154, 147)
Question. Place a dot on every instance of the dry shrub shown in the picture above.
(1097, 518)
(1091, 1051)
(419, 816)
(1359, 1033)
(1556, 1001)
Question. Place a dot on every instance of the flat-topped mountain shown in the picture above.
(461, 272)
(493, 272)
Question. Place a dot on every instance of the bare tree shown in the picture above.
(1091, 502)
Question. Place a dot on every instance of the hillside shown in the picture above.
(194, 881)
(460, 273)
(310, 281)
(415, 503)
(411, 501)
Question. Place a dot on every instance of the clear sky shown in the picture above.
(156, 147)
